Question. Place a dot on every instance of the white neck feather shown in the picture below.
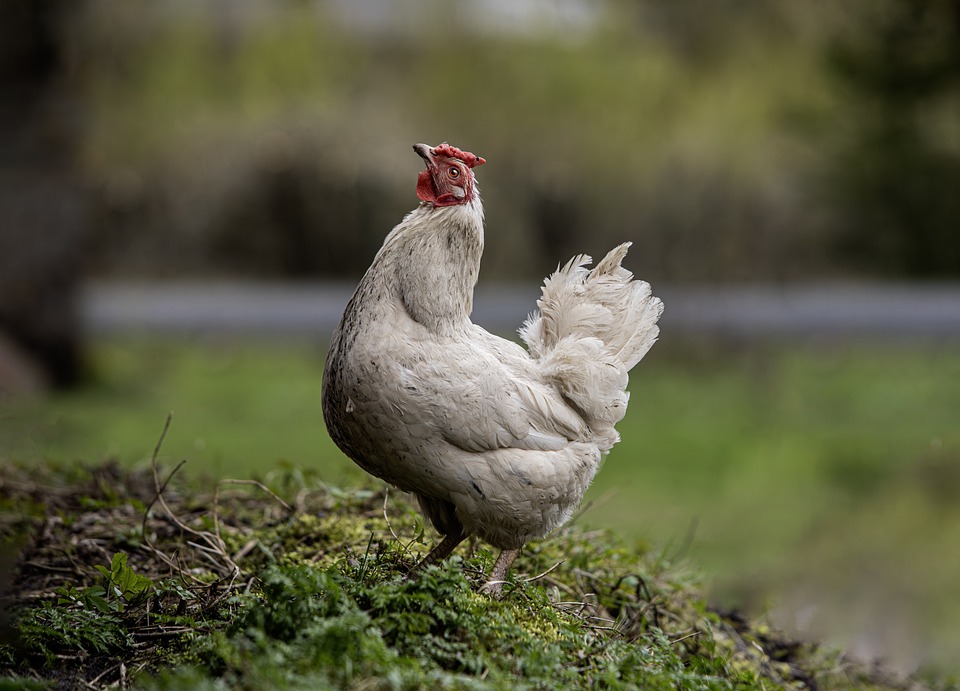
(431, 261)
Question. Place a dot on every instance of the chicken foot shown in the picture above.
(498, 574)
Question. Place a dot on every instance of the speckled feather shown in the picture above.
(496, 440)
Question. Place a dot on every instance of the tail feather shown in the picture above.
(605, 303)
(591, 328)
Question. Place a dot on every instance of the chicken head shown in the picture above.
(448, 179)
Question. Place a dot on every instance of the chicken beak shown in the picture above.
(426, 189)
(425, 152)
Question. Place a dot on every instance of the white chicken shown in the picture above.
(494, 440)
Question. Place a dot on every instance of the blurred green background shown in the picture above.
(736, 143)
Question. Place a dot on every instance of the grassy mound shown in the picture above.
(131, 579)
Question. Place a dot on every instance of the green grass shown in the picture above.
(824, 477)
(238, 410)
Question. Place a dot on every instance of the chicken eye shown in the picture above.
(453, 172)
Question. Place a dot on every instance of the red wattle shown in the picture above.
(425, 189)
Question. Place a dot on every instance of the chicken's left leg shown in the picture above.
(498, 574)
(438, 553)
(443, 515)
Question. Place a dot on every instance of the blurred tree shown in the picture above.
(41, 204)
(291, 218)
(272, 139)
(898, 178)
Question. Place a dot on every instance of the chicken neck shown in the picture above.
(431, 260)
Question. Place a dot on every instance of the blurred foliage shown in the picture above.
(728, 139)
(898, 175)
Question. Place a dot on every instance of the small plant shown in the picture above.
(101, 619)
(68, 628)
(121, 586)
(84, 621)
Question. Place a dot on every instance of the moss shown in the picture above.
(318, 597)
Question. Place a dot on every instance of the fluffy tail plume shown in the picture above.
(591, 328)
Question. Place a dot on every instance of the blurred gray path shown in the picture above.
(883, 311)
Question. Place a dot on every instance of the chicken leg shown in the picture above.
(498, 574)
(438, 553)
(443, 515)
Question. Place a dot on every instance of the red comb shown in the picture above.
(472, 160)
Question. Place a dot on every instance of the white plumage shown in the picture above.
(495, 440)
